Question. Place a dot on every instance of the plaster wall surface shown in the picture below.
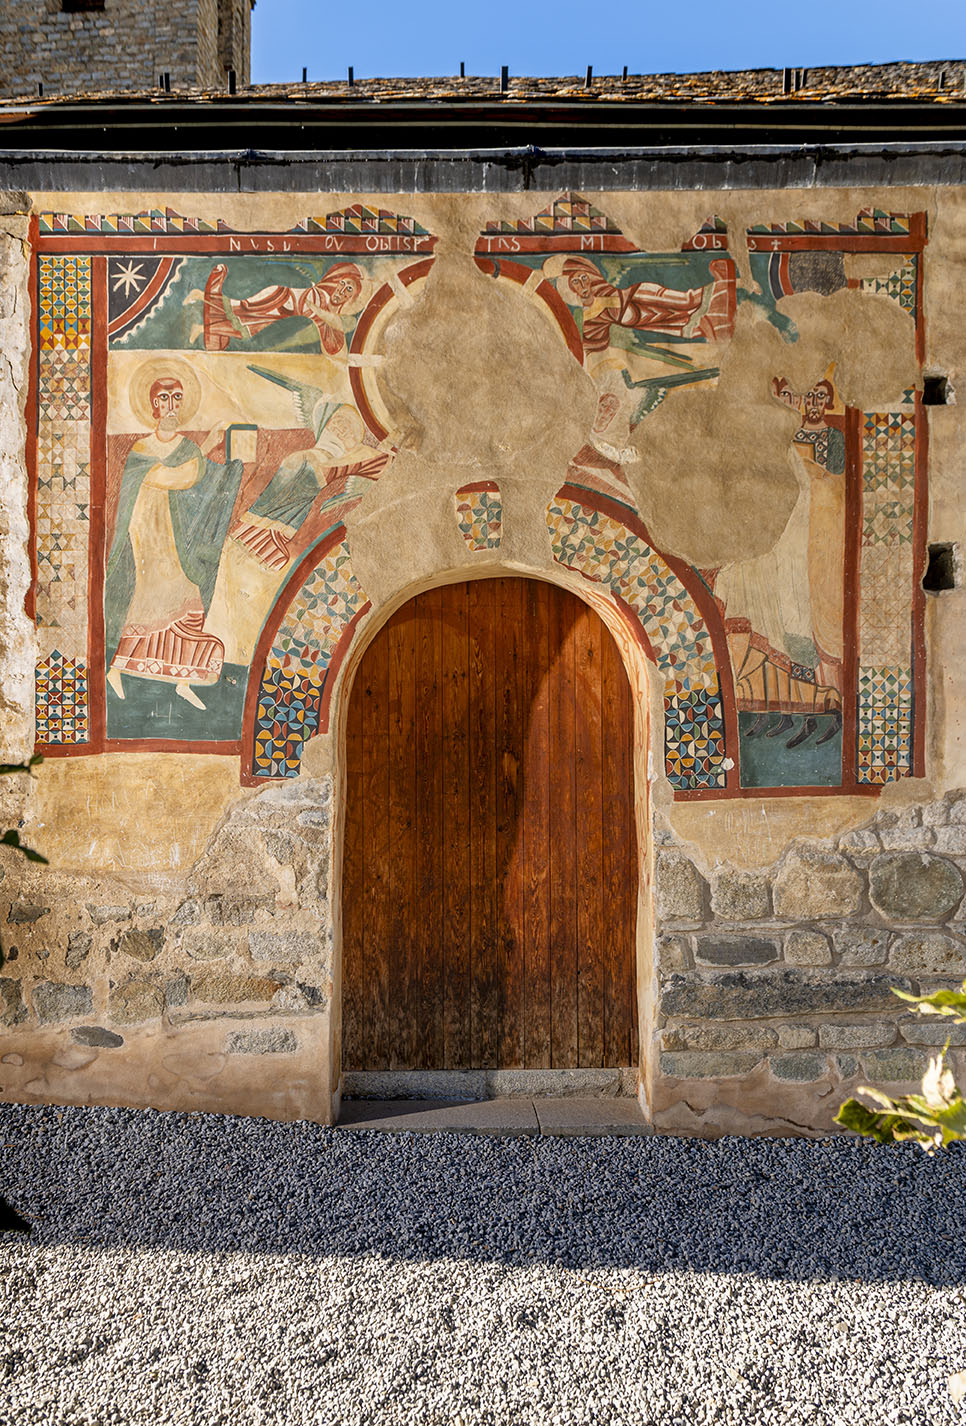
(183, 947)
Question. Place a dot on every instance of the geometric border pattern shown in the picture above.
(62, 505)
(885, 681)
(480, 516)
(61, 702)
(570, 213)
(871, 222)
(900, 285)
(884, 724)
(604, 550)
(296, 669)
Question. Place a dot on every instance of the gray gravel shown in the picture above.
(204, 1269)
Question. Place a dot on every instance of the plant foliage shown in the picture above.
(933, 1118)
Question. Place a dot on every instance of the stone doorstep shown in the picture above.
(500, 1118)
(482, 1085)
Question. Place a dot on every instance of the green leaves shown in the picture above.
(936, 1117)
(6, 768)
(909, 1117)
(941, 1002)
(12, 838)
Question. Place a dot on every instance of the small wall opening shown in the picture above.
(936, 391)
(942, 569)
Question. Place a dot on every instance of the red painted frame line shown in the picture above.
(373, 307)
(32, 415)
(284, 245)
(852, 592)
(96, 686)
(312, 557)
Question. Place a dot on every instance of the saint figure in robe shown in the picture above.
(173, 514)
(311, 489)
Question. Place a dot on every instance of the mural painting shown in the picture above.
(796, 669)
(207, 411)
(479, 514)
(236, 421)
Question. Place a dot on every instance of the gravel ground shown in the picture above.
(202, 1269)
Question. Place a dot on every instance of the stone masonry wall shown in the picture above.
(236, 966)
(127, 45)
(779, 983)
(235, 38)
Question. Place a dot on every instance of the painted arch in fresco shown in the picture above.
(820, 686)
(213, 398)
(207, 409)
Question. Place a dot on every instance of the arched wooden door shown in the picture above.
(490, 871)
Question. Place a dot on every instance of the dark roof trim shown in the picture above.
(508, 170)
(290, 125)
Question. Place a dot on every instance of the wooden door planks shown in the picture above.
(490, 873)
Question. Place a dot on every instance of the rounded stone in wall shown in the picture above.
(914, 886)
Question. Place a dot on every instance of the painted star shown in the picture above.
(127, 278)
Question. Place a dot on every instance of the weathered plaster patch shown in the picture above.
(113, 812)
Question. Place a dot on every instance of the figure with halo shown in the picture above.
(173, 514)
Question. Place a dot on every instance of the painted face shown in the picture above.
(343, 432)
(581, 285)
(343, 291)
(166, 402)
(814, 405)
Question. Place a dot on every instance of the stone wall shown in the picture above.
(125, 45)
(779, 982)
(235, 38)
(236, 965)
(182, 949)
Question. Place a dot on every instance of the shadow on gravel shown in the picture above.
(787, 1209)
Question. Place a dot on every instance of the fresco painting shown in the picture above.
(208, 412)
(239, 421)
(639, 323)
(784, 612)
(62, 499)
(479, 514)
(802, 698)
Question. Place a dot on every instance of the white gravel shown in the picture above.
(200, 1269)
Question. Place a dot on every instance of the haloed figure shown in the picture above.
(173, 513)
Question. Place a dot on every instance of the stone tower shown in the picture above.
(89, 46)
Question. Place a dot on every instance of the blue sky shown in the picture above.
(383, 38)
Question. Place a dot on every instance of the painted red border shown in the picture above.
(920, 535)
(505, 244)
(32, 417)
(373, 307)
(239, 244)
(843, 243)
(518, 272)
(852, 594)
(479, 487)
(96, 689)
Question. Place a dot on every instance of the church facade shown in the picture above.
(496, 617)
